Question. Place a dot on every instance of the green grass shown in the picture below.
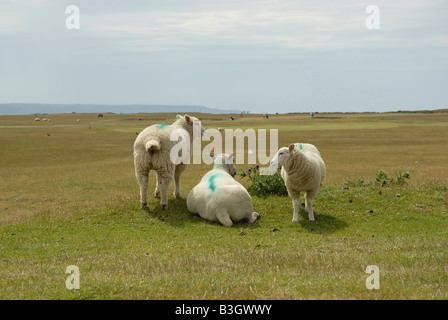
(125, 252)
(71, 199)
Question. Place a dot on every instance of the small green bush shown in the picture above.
(382, 179)
(401, 177)
(264, 185)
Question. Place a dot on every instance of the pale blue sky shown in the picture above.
(262, 56)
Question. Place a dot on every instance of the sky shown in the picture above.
(261, 56)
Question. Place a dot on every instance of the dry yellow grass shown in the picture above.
(83, 165)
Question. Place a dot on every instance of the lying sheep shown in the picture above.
(218, 197)
(152, 151)
(302, 170)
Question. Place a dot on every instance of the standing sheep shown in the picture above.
(302, 170)
(218, 197)
(152, 151)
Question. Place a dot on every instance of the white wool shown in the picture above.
(303, 170)
(152, 152)
(218, 197)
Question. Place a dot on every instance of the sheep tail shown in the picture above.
(152, 145)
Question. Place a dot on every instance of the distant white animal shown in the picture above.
(37, 119)
(152, 151)
(302, 170)
(44, 119)
(218, 197)
(78, 121)
(220, 129)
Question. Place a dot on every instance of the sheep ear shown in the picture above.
(187, 118)
(291, 147)
(229, 159)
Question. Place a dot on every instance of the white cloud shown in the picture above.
(289, 24)
(279, 24)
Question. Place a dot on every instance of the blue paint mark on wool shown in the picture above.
(211, 182)
(299, 145)
(162, 126)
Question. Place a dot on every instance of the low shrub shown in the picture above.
(264, 185)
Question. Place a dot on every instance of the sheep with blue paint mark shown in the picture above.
(303, 170)
(218, 197)
(152, 150)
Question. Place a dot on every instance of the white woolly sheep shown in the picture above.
(152, 151)
(302, 170)
(218, 197)
(37, 119)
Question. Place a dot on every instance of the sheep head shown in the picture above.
(192, 124)
(226, 162)
(281, 156)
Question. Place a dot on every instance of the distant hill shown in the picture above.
(36, 108)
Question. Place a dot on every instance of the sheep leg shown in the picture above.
(309, 196)
(164, 183)
(156, 191)
(143, 182)
(141, 173)
(295, 205)
(224, 218)
(178, 171)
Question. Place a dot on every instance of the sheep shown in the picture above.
(302, 170)
(218, 197)
(152, 150)
(220, 129)
(78, 121)
(37, 119)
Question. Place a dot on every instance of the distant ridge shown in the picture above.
(36, 108)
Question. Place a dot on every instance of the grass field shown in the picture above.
(68, 196)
